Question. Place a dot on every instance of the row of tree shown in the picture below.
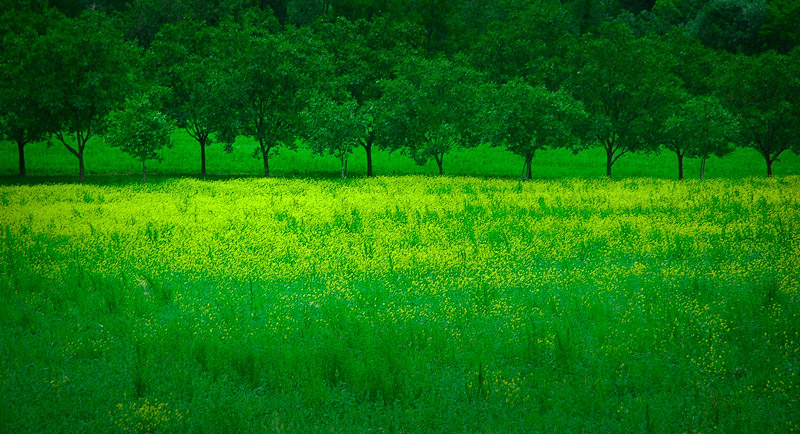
(527, 75)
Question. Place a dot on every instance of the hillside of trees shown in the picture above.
(693, 78)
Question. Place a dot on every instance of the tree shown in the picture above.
(356, 9)
(272, 73)
(335, 127)
(589, 15)
(190, 59)
(91, 70)
(25, 115)
(434, 17)
(678, 12)
(531, 44)
(140, 130)
(624, 83)
(693, 63)
(526, 118)
(428, 110)
(472, 19)
(765, 92)
(698, 128)
(637, 6)
(363, 55)
(731, 25)
(305, 12)
(781, 29)
(144, 18)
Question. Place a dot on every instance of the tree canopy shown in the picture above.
(420, 77)
(90, 73)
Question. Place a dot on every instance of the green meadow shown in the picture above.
(484, 161)
(401, 304)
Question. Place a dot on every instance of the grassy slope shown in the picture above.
(184, 158)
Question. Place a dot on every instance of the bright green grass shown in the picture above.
(184, 158)
(401, 304)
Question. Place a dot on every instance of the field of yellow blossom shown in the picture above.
(401, 304)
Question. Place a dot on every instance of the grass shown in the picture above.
(401, 304)
(184, 159)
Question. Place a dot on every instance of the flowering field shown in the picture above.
(405, 304)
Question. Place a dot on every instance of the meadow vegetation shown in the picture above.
(401, 304)
(106, 164)
(351, 291)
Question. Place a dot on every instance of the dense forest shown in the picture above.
(694, 78)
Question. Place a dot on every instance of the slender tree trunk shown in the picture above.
(344, 165)
(609, 160)
(703, 168)
(21, 148)
(144, 172)
(202, 156)
(265, 157)
(81, 168)
(440, 162)
(528, 168)
(77, 152)
(769, 166)
(368, 149)
(680, 165)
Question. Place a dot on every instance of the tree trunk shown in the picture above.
(344, 165)
(144, 172)
(81, 168)
(703, 168)
(609, 160)
(21, 148)
(769, 166)
(265, 158)
(368, 148)
(528, 168)
(440, 162)
(202, 156)
(78, 153)
(680, 165)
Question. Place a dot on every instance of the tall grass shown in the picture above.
(405, 304)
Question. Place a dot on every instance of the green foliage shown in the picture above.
(363, 55)
(693, 63)
(426, 111)
(525, 119)
(698, 128)
(531, 44)
(335, 127)
(625, 83)
(357, 9)
(25, 112)
(731, 25)
(144, 19)
(272, 72)
(781, 29)
(140, 130)
(190, 59)
(406, 304)
(91, 67)
(242, 68)
(591, 14)
(764, 91)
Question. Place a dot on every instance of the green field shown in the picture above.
(485, 161)
(401, 304)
